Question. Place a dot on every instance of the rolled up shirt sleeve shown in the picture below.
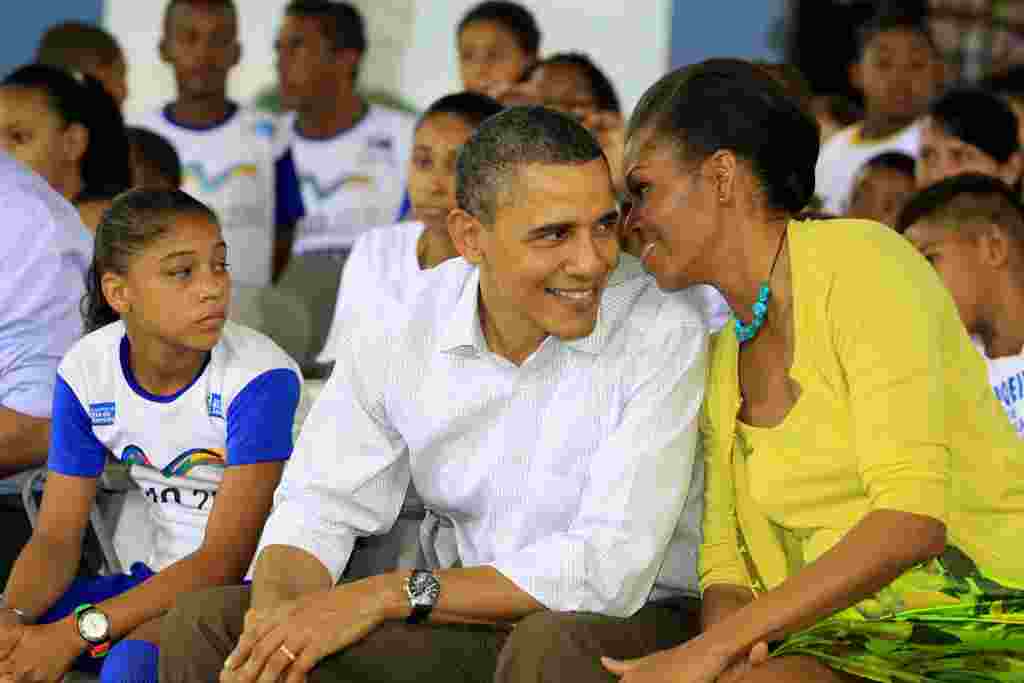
(608, 559)
(349, 472)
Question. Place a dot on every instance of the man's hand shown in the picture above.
(286, 642)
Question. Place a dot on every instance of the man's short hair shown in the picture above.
(894, 18)
(507, 141)
(340, 22)
(966, 202)
(226, 5)
(511, 16)
(75, 46)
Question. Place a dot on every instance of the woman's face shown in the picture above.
(34, 134)
(673, 210)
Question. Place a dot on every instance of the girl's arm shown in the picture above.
(243, 503)
(49, 562)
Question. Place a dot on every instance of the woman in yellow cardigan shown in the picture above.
(865, 494)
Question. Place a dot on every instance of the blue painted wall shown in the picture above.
(24, 22)
(702, 29)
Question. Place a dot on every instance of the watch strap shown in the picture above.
(419, 614)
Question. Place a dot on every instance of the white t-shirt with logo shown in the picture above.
(239, 410)
(1006, 375)
(843, 155)
(230, 168)
(343, 186)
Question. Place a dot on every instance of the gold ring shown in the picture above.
(287, 653)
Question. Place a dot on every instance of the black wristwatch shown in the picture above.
(423, 590)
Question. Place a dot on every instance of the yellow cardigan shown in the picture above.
(895, 413)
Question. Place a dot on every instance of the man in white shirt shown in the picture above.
(44, 255)
(543, 405)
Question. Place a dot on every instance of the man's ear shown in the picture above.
(165, 55)
(116, 292)
(995, 246)
(466, 232)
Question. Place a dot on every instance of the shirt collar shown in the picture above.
(463, 333)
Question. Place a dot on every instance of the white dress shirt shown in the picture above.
(568, 474)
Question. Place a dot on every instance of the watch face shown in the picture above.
(424, 588)
(94, 626)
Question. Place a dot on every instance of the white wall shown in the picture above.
(412, 49)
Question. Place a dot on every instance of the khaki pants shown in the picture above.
(202, 630)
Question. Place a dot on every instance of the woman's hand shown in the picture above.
(692, 662)
(38, 654)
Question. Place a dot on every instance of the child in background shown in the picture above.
(834, 113)
(388, 260)
(497, 43)
(227, 151)
(155, 163)
(969, 131)
(971, 229)
(881, 188)
(898, 71)
(69, 130)
(202, 411)
(74, 46)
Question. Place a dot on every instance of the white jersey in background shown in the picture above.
(340, 187)
(239, 410)
(230, 168)
(1007, 378)
(843, 155)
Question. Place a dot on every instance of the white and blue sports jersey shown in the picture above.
(1007, 378)
(230, 168)
(239, 410)
(336, 189)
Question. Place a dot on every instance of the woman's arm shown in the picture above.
(862, 563)
(48, 563)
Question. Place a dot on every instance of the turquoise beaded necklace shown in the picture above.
(747, 331)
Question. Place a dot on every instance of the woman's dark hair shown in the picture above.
(105, 168)
(512, 16)
(979, 118)
(135, 220)
(471, 107)
(600, 85)
(735, 105)
(839, 108)
(154, 151)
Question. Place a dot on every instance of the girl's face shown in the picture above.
(34, 134)
(176, 290)
(432, 168)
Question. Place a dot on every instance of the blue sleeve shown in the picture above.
(288, 206)
(260, 419)
(405, 209)
(74, 448)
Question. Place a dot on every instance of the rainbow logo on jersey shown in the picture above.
(181, 465)
(319, 192)
(196, 173)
